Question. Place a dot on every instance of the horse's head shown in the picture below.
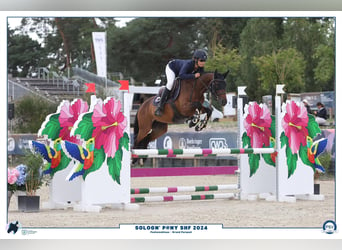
(218, 87)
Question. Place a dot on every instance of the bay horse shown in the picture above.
(188, 105)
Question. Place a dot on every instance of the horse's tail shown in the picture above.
(136, 129)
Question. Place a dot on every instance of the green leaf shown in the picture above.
(246, 141)
(291, 162)
(85, 127)
(99, 157)
(114, 165)
(313, 128)
(268, 159)
(124, 141)
(283, 140)
(52, 127)
(253, 163)
(62, 165)
(273, 132)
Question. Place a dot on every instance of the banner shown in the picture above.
(100, 48)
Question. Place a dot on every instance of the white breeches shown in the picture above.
(321, 121)
(170, 76)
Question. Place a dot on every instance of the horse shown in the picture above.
(186, 106)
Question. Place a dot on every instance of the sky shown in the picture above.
(14, 22)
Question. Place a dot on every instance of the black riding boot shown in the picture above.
(161, 104)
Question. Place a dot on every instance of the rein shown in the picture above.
(208, 88)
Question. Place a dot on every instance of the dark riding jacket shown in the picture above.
(184, 69)
(322, 113)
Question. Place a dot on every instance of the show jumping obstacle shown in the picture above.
(275, 170)
(182, 189)
(183, 197)
(269, 182)
(197, 152)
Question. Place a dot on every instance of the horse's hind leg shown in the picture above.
(142, 130)
(158, 129)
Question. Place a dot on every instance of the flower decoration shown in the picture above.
(257, 124)
(294, 124)
(109, 123)
(299, 129)
(260, 131)
(57, 127)
(105, 125)
(12, 176)
(69, 113)
(16, 178)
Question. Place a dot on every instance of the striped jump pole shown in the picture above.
(183, 189)
(197, 152)
(183, 197)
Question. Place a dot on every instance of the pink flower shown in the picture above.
(68, 116)
(294, 123)
(109, 123)
(12, 176)
(257, 125)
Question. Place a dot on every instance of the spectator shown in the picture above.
(307, 105)
(321, 114)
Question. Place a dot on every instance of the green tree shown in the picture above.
(23, 53)
(259, 37)
(324, 73)
(145, 45)
(223, 59)
(67, 40)
(31, 112)
(222, 30)
(281, 67)
(308, 35)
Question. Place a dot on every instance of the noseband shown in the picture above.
(217, 87)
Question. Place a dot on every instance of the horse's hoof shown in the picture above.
(192, 124)
(200, 126)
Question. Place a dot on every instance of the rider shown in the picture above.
(184, 69)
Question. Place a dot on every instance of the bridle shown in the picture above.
(211, 86)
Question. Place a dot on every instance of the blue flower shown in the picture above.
(22, 169)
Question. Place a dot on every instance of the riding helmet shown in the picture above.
(200, 54)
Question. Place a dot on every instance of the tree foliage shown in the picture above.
(23, 54)
(306, 35)
(281, 67)
(30, 113)
(143, 48)
(224, 59)
(254, 49)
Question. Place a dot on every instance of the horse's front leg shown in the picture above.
(207, 111)
(195, 119)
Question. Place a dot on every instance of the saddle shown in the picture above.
(173, 94)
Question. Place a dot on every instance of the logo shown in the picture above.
(167, 144)
(11, 144)
(218, 143)
(329, 227)
(13, 227)
(182, 143)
